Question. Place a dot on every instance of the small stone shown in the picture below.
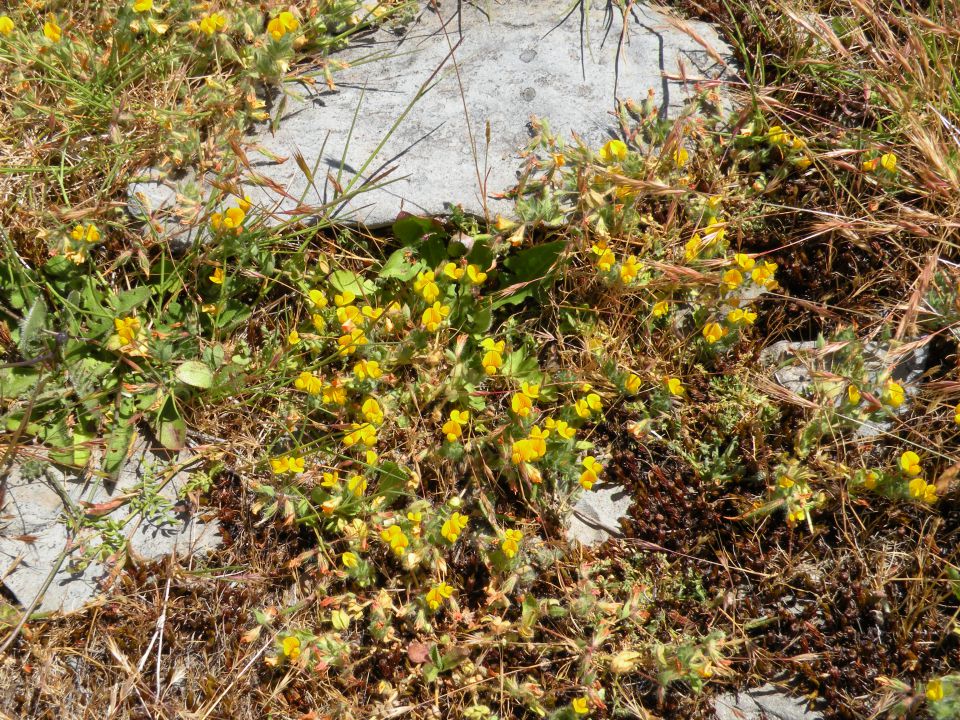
(762, 703)
(597, 512)
(33, 535)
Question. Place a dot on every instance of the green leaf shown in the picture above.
(170, 428)
(482, 318)
(425, 235)
(398, 266)
(393, 481)
(346, 281)
(32, 326)
(129, 299)
(119, 438)
(529, 269)
(518, 365)
(17, 382)
(195, 373)
(172, 433)
(410, 229)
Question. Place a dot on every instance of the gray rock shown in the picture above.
(33, 531)
(596, 514)
(562, 62)
(762, 703)
(169, 204)
(796, 366)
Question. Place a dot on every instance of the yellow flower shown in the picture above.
(869, 165)
(296, 464)
(372, 411)
(888, 161)
(562, 427)
(127, 328)
(209, 24)
(330, 479)
(763, 275)
(453, 527)
(795, 516)
(343, 299)
(745, 262)
(453, 428)
(396, 538)
(6, 25)
(334, 394)
(309, 383)
(210, 308)
(786, 482)
(591, 472)
(606, 260)
(511, 542)
(613, 150)
(918, 487)
(580, 705)
(732, 279)
(346, 315)
(713, 332)
(853, 394)
(660, 308)
(280, 465)
(493, 357)
(538, 442)
(52, 31)
(956, 414)
(86, 233)
(291, 647)
(282, 24)
(588, 405)
(522, 402)
(738, 315)
(934, 691)
(893, 394)
(632, 383)
(910, 463)
(426, 287)
(680, 156)
(349, 342)
(692, 248)
(870, 479)
(349, 560)
(521, 452)
(367, 369)
(433, 317)
(630, 269)
(437, 594)
(453, 271)
(361, 433)
(217, 277)
(777, 135)
(317, 298)
(371, 313)
(674, 386)
(357, 484)
(293, 338)
(475, 275)
(141, 6)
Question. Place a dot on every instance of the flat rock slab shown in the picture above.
(762, 703)
(596, 513)
(493, 64)
(33, 533)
